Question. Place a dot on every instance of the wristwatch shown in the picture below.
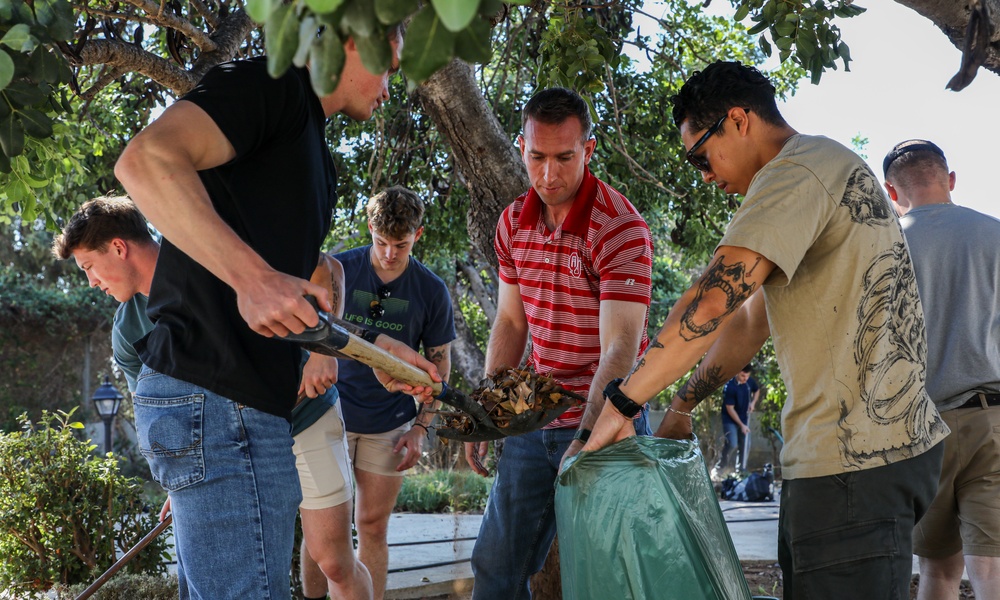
(625, 405)
(582, 435)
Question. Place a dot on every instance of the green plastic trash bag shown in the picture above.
(639, 519)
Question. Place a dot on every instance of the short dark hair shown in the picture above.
(554, 105)
(915, 162)
(396, 212)
(747, 369)
(708, 95)
(98, 222)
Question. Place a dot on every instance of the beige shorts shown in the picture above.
(372, 452)
(323, 464)
(965, 514)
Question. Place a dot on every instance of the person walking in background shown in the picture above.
(956, 258)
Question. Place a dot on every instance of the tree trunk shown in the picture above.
(466, 358)
(488, 162)
(547, 583)
(484, 298)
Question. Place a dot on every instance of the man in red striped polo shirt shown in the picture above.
(575, 266)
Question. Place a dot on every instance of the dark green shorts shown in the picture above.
(850, 535)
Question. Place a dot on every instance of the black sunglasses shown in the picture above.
(375, 309)
(700, 162)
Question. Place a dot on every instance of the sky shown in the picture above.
(896, 91)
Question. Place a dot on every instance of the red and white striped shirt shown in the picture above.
(602, 251)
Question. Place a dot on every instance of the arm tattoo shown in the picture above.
(335, 301)
(720, 278)
(642, 361)
(436, 355)
(706, 379)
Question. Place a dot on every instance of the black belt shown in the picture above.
(974, 402)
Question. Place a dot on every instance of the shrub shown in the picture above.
(128, 587)
(65, 512)
(444, 491)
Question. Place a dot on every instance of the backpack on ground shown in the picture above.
(755, 487)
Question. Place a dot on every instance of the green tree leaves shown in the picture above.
(456, 15)
(439, 32)
(281, 35)
(6, 69)
(802, 30)
(28, 73)
(429, 45)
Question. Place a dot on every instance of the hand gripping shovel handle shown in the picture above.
(329, 338)
(125, 559)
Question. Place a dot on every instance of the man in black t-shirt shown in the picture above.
(238, 177)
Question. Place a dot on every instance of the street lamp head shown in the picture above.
(107, 400)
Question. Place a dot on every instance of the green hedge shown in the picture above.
(444, 491)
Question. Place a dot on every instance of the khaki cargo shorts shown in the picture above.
(321, 458)
(965, 514)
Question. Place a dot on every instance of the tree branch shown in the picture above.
(132, 58)
(478, 288)
(207, 13)
(232, 30)
(168, 19)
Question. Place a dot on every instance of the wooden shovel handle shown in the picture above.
(377, 358)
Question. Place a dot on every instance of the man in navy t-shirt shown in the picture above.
(391, 292)
(738, 399)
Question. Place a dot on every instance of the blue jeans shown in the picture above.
(233, 487)
(734, 440)
(519, 524)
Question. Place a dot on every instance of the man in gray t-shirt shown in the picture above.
(957, 263)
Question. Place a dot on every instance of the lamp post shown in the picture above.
(106, 401)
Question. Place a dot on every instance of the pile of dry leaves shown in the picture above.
(516, 401)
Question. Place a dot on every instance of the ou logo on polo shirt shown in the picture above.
(575, 265)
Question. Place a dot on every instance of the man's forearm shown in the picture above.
(506, 346)
(613, 365)
(697, 321)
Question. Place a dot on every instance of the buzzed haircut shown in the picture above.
(916, 163)
(747, 369)
(396, 212)
(708, 95)
(553, 106)
(98, 222)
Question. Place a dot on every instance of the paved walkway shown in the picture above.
(429, 554)
(425, 561)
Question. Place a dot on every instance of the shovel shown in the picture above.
(333, 340)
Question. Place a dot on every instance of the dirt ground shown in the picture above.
(764, 579)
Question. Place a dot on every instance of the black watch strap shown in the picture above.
(625, 405)
(582, 435)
